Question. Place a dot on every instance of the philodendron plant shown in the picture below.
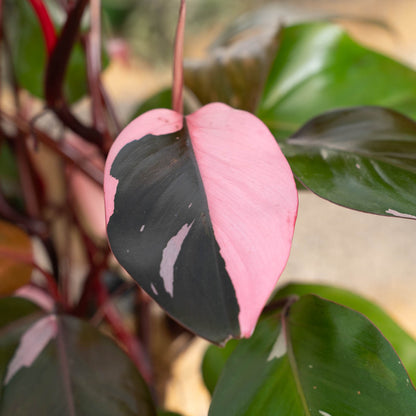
(200, 210)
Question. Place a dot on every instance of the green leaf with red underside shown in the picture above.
(315, 358)
(65, 366)
(362, 158)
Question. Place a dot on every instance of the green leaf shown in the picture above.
(402, 342)
(316, 358)
(214, 362)
(215, 357)
(29, 52)
(362, 158)
(118, 12)
(318, 67)
(86, 371)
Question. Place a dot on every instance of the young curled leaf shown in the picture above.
(200, 210)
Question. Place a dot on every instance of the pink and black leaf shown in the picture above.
(201, 212)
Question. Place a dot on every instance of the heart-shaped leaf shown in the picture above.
(362, 158)
(319, 67)
(316, 358)
(68, 366)
(201, 212)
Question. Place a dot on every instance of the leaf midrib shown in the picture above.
(292, 362)
(64, 368)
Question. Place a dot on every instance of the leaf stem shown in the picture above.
(177, 88)
(132, 344)
(46, 24)
(68, 152)
(55, 75)
(93, 52)
(27, 260)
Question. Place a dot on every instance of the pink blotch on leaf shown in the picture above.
(32, 343)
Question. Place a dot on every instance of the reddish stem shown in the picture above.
(46, 24)
(93, 46)
(132, 344)
(28, 177)
(55, 76)
(68, 152)
(177, 88)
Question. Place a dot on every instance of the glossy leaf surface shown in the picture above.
(86, 371)
(187, 201)
(15, 258)
(319, 67)
(362, 158)
(318, 359)
(402, 342)
(215, 358)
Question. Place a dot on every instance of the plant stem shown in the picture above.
(46, 24)
(68, 152)
(93, 49)
(177, 88)
(132, 344)
(55, 76)
(27, 260)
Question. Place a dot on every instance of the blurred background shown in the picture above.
(373, 256)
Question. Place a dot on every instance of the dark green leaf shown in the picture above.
(318, 67)
(78, 372)
(362, 158)
(214, 361)
(16, 316)
(318, 359)
(118, 12)
(402, 342)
